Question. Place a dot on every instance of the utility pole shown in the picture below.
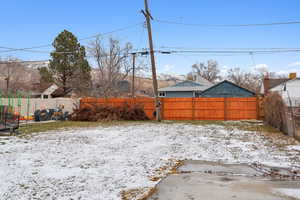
(133, 74)
(148, 17)
(7, 79)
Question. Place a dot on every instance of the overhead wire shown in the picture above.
(228, 51)
(10, 49)
(234, 48)
(227, 25)
(23, 61)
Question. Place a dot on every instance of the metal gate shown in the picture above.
(9, 120)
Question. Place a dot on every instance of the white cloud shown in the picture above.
(168, 68)
(224, 70)
(287, 72)
(261, 68)
(294, 64)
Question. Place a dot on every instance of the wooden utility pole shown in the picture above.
(148, 17)
(7, 79)
(133, 74)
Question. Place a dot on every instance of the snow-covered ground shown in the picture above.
(99, 163)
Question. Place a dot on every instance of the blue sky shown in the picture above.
(33, 22)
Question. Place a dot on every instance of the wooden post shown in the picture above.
(257, 108)
(133, 75)
(154, 79)
(193, 109)
(225, 109)
(162, 108)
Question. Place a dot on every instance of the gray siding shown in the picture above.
(176, 94)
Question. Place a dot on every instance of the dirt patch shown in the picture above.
(137, 194)
(171, 168)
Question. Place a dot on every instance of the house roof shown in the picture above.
(274, 82)
(289, 91)
(226, 81)
(59, 92)
(187, 86)
(288, 83)
(50, 89)
(270, 83)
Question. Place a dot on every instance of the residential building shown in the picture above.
(185, 89)
(226, 89)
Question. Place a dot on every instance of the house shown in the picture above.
(290, 92)
(289, 88)
(185, 88)
(226, 89)
(269, 83)
(48, 91)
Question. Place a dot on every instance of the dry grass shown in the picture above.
(62, 125)
(246, 125)
(139, 194)
(169, 168)
(160, 173)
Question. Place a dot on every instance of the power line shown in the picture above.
(206, 51)
(136, 52)
(231, 48)
(113, 31)
(227, 25)
(192, 50)
(23, 61)
(10, 49)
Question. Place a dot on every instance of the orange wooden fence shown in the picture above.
(191, 108)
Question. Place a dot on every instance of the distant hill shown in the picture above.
(35, 64)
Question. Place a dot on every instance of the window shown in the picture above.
(162, 94)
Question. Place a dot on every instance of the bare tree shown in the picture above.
(209, 71)
(13, 76)
(249, 80)
(113, 65)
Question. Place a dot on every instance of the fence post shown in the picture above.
(162, 108)
(193, 108)
(225, 109)
(257, 107)
(1, 107)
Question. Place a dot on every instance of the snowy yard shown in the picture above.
(99, 163)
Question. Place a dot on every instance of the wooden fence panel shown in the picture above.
(209, 108)
(148, 105)
(177, 108)
(241, 108)
(191, 108)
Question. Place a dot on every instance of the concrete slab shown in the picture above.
(215, 181)
(196, 186)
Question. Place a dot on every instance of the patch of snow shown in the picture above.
(294, 193)
(294, 147)
(98, 163)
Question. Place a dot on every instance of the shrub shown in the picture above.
(93, 112)
(274, 108)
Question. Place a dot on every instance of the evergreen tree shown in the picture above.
(46, 76)
(68, 66)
